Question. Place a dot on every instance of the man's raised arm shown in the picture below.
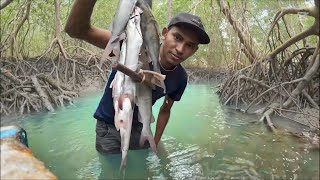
(78, 24)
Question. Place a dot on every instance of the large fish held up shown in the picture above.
(124, 89)
(149, 29)
(144, 103)
(126, 92)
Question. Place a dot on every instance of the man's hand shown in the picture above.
(151, 78)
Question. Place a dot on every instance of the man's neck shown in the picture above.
(163, 63)
(166, 66)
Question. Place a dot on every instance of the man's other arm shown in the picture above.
(78, 24)
(163, 118)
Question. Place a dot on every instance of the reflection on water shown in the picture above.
(203, 140)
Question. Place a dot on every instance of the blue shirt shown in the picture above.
(176, 82)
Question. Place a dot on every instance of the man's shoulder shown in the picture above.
(182, 71)
(177, 77)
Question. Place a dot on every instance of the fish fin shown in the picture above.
(107, 50)
(117, 124)
(151, 141)
(116, 45)
(113, 46)
(138, 11)
(122, 36)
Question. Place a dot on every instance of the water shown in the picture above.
(203, 140)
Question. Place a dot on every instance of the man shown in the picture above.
(179, 41)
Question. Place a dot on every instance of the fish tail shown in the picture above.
(123, 165)
(152, 144)
(151, 141)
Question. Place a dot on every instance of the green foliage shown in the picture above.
(255, 15)
(104, 12)
(6, 18)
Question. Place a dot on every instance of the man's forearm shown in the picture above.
(162, 121)
(78, 22)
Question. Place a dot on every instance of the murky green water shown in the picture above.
(203, 140)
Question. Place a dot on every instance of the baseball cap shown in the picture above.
(193, 22)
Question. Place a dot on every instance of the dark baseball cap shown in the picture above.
(193, 22)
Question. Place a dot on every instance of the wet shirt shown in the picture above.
(176, 82)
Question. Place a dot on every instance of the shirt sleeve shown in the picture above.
(177, 94)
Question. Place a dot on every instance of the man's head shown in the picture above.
(193, 22)
(181, 38)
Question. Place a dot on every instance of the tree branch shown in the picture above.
(5, 3)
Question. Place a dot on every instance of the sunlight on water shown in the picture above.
(203, 140)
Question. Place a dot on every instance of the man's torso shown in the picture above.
(175, 82)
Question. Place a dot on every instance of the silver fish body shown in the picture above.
(124, 89)
(144, 103)
(151, 36)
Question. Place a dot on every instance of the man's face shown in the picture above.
(179, 43)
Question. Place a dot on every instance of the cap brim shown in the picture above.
(202, 35)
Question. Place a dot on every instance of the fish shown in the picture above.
(124, 89)
(123, 108)
(126, 93)
(151, 39)
(144, 103)
(123, 13)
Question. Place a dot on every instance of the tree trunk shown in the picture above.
(169, 10)
(5, 3)
(16, 30)
(57, 19)
(42, 94)
(244, 39)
